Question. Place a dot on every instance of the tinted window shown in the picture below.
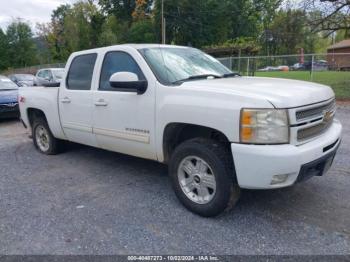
(41, 74)
(80, 72)
(49, 74)
(44, 74)
(115, 62)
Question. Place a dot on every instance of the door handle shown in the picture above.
(65, 100)
(101, 102)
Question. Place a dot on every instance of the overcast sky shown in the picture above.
(32, 11)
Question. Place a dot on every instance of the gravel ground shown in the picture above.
(89, 201)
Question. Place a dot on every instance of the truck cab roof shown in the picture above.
(134, 46)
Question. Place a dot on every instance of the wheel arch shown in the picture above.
(176, 133)
(33, 113)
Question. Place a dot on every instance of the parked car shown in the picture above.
(217, 131)
(319, 65)
(298, 66)
(274, 68)
(283, 68)
(8, 98)
(49, 76)
(22, 79)
(268, 69)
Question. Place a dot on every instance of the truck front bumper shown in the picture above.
(9, 111)
(276, 166)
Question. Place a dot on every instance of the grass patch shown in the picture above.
(339, 81)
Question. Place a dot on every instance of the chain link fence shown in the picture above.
(32, 69)
(332, 69)
(308, 62)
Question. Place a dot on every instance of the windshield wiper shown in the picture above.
(196, 77)
(231, 75)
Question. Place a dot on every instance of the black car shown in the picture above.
(22, 79)
(8, 98)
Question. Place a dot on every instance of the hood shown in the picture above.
(8, 96)
(281, 93)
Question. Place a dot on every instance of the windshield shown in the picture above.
(58, 73)
(7, 84)
(173, 64)
(25, 77)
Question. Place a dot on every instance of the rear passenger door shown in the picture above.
(75, 100)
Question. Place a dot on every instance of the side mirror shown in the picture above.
(128, 82)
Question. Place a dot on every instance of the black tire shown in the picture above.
(54, 144)
(219, 158)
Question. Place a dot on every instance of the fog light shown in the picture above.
(278, 179)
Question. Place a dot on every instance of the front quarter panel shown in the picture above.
(193, 105)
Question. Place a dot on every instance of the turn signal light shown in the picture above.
(246, 118)
(246, 133)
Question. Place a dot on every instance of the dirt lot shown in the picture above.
(89, 201)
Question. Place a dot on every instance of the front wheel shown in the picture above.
(202, 176)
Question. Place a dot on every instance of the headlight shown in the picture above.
(264, 126)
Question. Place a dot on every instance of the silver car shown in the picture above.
(48, 76)
(22, 79)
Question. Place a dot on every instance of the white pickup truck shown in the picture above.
(217, 131)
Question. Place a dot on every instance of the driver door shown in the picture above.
(123, 121)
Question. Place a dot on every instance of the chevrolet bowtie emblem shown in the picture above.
(10, 104)
(327, 116)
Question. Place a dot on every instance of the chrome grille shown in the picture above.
(315, 111)
(310, 132)
(8, 107)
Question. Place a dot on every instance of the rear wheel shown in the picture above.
(202, 175)
(43, 139)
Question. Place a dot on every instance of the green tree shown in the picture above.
(142, 32)
(342, 34)
(77, 26)
(22, 50)
(287, 32)
(4, 62)
(123, 9)
(208, 22)
(54, 33)
(113, 31)
(290, 31)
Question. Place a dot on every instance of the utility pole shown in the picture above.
(163, 24)
(164, 32)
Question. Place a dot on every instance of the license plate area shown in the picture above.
(328, 164)
(318, 167)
